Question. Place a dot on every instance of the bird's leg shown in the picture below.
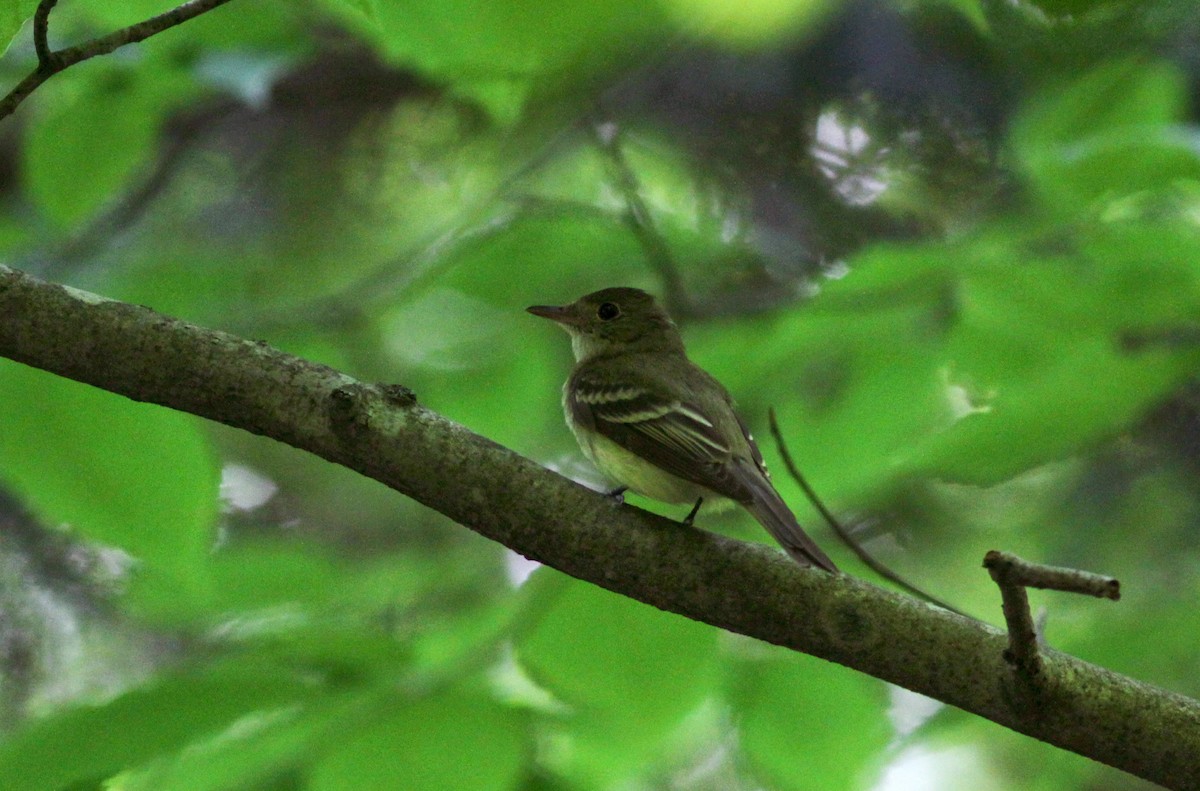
(617, 494)
(691, 517)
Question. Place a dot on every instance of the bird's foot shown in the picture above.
(691, 517)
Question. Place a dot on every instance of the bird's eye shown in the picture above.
(608, 311)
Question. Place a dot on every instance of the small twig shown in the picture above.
(607, 135)
(1055, 578)
(1013, 575)
(41, 29)
(51, 63)
(1022, 650)
(844, 534)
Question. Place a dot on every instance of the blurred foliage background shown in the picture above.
(955, 243)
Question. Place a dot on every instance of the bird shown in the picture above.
(659, 425)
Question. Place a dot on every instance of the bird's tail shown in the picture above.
(772, 513)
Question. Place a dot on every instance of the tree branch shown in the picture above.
(750, 589)
(51, 62)
(1012, 575)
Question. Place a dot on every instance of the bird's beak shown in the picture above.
(563, 314)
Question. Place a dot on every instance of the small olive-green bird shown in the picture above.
(658, 424)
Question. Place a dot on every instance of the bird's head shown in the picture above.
(614, 320)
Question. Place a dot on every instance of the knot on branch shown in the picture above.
(349, 414)
(399, 395)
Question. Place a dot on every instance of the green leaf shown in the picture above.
(631, 673)
(13, 14)
(749, 24)
(495, 53)
(805, 723)
(135, 476)
(1090, 393)
(853, 385)
(1112, 131)
(368, 8)
(598, 650)
(449, 741)
(91, 743)
(94, 133)
(971, 10)
(259, 748)
(1037, 350)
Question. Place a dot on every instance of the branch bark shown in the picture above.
(384, 433)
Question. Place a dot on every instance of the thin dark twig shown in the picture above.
(607, 135)
(51, 63)
(41, 30)
(844, 534)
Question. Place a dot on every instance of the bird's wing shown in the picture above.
(670, 433)
(684, 440)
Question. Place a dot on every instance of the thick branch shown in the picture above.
(750, 589)
(51, 62)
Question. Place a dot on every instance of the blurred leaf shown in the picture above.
(1120, 96)
(851, 388)
(130, 475)
(264, 573)
(545, 255)
(463, 38)
(971, 10)
(368, 8)
(94, 133)
(1110, 132)
(1018, 357)
(749, 24)
(597, 650)
(1037, 350)
(127, 12)
(13, 14)
(448, 741)
(1088, 395)
(90, 743)
(258, 748)
(805, 723)
(1075, 8)
(630, 672)
(274, 24)
(496, 54)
